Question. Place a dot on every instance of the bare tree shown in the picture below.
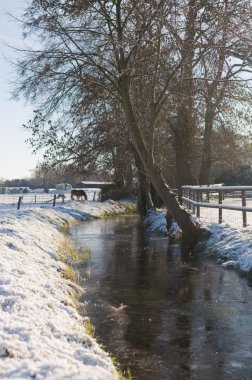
(92, 49)
(224, 69)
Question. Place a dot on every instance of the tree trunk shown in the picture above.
(129, 176)
(183, 147)
(184, 131)
(144, 195)
(206, 160)
(190, 230)
(213, 92)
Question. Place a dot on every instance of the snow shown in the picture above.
(231, 213)
(233, 245)
(229, 243)
(156, 222)
(42, 335)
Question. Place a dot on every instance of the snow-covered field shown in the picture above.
(42, 336)
(39, 196)
(231, 217)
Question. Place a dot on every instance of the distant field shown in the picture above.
(32, 198)
(231, 217)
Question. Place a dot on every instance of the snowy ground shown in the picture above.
(232, 246)
(40, 197)
(230, 243)
(42, 336)
(231, 217)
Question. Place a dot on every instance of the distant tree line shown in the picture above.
(48, 177)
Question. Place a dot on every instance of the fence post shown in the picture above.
(201, 196)
(244, 214)
(95, 195)
(194, 199)
(54, 200)
(189, 196)
(19, 202)
(185, 195)
(35, 198)
(220, 202)
(208, 196)
(198, 200)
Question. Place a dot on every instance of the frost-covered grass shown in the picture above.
(155, 221)
(232, 246)
(42, 335)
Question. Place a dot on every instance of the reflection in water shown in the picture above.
(163, 313)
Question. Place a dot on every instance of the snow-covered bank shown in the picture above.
(231, 246)
(155, 221)
(42, 336)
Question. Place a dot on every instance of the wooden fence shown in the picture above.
(41, 198)
(31, 199)
(195, 197)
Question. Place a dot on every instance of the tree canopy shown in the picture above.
(167, 65)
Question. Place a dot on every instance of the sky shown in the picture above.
(16, 158)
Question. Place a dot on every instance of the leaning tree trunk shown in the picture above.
(190, 229)
(144, 195)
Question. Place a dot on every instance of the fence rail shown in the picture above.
(235, 198)
(19, 200)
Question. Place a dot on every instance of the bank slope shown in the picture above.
(232, 247)
(42, 336)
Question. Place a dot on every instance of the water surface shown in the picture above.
(164, 314)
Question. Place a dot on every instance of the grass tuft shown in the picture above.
(69, 274)
(89, 328)
(68, 254)
(123, 375)
(131, 208)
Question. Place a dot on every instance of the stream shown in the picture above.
(164, 314)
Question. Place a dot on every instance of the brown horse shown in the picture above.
(79, 194)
